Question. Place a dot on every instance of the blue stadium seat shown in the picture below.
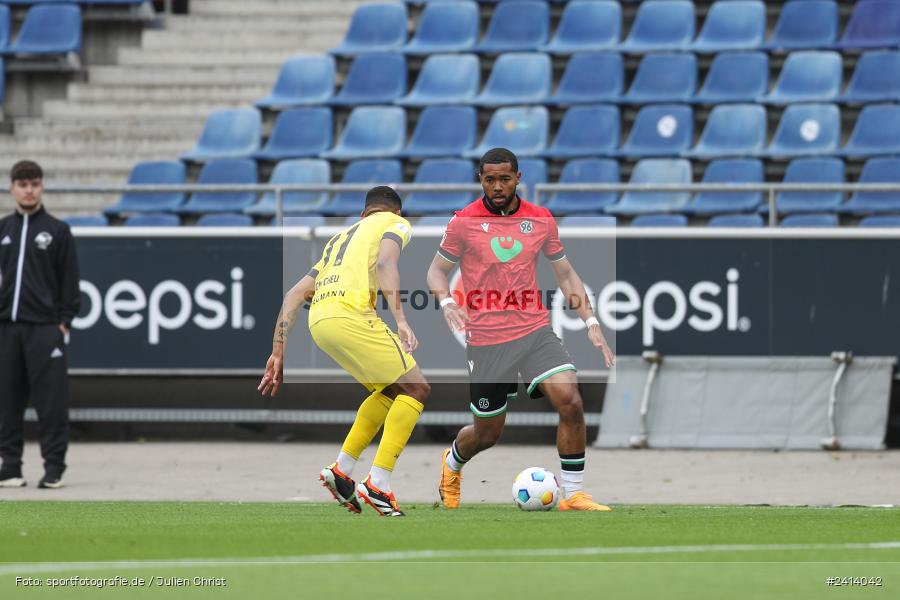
(298, 171)
(375, 27)
(371, 132)
(881, 221)
(48, 29)
(225, 220)
(587, 26)
(223, 171)
(877, 131)
(375, 172)
(86, 221)
(301, 221)
(440, 170)
(586, 131)
(591, 77)
(873, 24)
(153, 220)
(732, 25)
(735, 77)
(732, 130)
(302, 81)
(592, 221)
(660, 130)
(517, 26)
(810, 170)
(662, 220)
(374, 78)
(228, 133)
(876, 170)
(445, 79)
(808, 76)
(736, 221)
(152, 173)
(445, 27)
(661, 25)
(521, 129)
(655, 170)
(432, 221)
(5, 26)
(807, 129)
(443, 131)
(807, 24)
(517, 78)
(664, 78)
(875, 79)
(821, 220)
(298, 133)
(726, 171)
(534, 171)
(585, 170)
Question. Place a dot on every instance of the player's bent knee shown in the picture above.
(570, 407)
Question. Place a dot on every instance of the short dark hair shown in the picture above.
(26, 169)
(383, 195)
(498, 156)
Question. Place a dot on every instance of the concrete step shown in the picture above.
(239, 35)
(231, 25)
(149, 110)
(88, 146)
(182, 75)
(67, 162)
(234, 56)
(218, 41)
(287, 8)
(104, 129)
(63, 205)
(207, 94)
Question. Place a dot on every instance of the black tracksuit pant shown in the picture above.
(33, 364)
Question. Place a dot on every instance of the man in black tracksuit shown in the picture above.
(39, 297)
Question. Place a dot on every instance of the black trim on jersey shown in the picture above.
(558, 256)
(495, 211)
(399, 351)
(390, 235)
(313, 273)
(447, 256)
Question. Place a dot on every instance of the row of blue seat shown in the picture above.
(461, 171)
(659, 25)
(590, 130)
(47, 29)
(527, 78)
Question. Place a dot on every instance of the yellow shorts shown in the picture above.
(365, 348)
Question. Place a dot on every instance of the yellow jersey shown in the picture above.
(346, 285)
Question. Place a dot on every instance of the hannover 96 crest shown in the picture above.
(526, 227)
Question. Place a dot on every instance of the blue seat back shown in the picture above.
(375, 28)
(664, 78)
(587, 25)
(5, 26)
(591, 77)
(877, 131)
(879, 170)
(374, 78)
(808, 76)
(518, 78)
(585, 170)
(592, 221)
(444, 131)
(446, 27)
(732, 25)
(655, 170)
(811, 170)
(522, 130)
(876, 78)
(50, 29)
(87, 221)
(229, 133)
(807, 24)
(826, 220)
(662, 25)
(225, 220)
(373, 131)
(735, 77)
(446, 79)
(736, 221)
(660, 221)
(441, 170)
(807, 129)
(734, 170)
(226, 170)
(660, 130)
(152, 173)
(152, 220)
(586, 131)
(534, 171)
(881, 221)
(298, 171)
(517, 25)
(302, 80)
(299, 132)
(873, 24)
(376, 172)
(734, 130)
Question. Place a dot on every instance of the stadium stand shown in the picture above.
(732, 25)
(436, 170)
(594, 221)
(807, 129)
(298, 133)
(873, 24)
(877, 132)
(374, 78)
(379, 27)
(659, 221)
(446, 79)
(880, 221)
(229, 133)
(152, 220)
(732, 130)
(87, 221)
(48, 29)
(522, 129)
(371, 132)
(876, 170)
(875, 79)
(811, 170)
(445, 27)
(299, 171)
(807, 76)
(818, 220)
(534, 171)
(362, 171)
(591, 77)
(516, 26)
(741, 170)
(302, 80)
(735, 77)
(813, 24)
(655, 170)
(586, 131)
(225, 220)
(223, 171)
(664, 78)
(660, 130)
(587, 26)
(661, 25)
(517, 78)
(736, 221)
(152, 173)
(443, 131)
(585, 170)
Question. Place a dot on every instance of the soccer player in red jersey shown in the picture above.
(496, 242)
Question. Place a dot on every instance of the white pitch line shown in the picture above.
(427, 555)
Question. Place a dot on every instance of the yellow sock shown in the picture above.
(400, 422)
(369, 419)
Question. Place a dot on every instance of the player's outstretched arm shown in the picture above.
(387, 270)
(577, 297)
(293, 300)
(438, 279)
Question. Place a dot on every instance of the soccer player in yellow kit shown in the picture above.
(342, 288)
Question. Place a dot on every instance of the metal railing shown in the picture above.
(542, 190)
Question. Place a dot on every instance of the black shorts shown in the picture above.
(494, 370)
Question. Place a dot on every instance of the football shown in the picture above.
(535, 489)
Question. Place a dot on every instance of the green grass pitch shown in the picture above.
(294, 550)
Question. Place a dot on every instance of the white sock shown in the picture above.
(381, 478)
(345, 463)
(453, 461)
(571, 482)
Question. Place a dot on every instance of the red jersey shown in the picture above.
(497, 256)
